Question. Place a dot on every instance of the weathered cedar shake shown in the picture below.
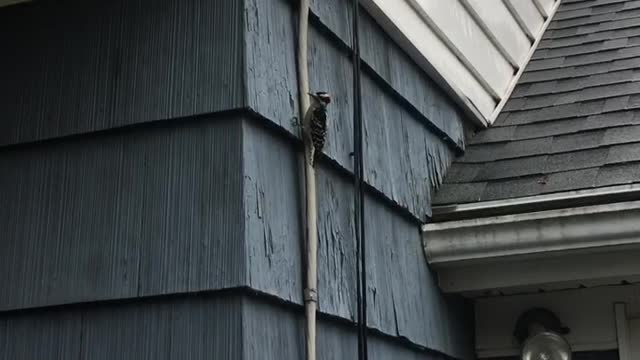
(194, 327)
(203, 193)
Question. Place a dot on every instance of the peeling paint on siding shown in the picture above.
(284, 339)
(405, 299)
(404, 157)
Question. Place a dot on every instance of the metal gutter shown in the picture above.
(534, 248)
(562, 200)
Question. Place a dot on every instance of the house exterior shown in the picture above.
(541, 211)
(151, 185)
(152, 177)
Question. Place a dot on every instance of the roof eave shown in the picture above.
(560, 200)
(532, 249)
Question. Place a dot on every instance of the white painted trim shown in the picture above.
(533, 201)
(622, 331)
(588, 313)
(456, 93)
(458, 48)
(519, 20)
(454, 49)
(534, 248)
(544, 231)
(492, 37)
(546, 272)
(545, 14)
(537, 38)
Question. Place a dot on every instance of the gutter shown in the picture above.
(569, 199)
(554, 246)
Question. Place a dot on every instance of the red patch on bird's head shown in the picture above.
(324, 97)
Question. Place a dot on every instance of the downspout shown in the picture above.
(310, 292)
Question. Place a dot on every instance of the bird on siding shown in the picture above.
(315, 123)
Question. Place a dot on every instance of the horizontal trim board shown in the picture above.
(549, 272)
(471, 45)
(538, 232)
(413, 33)
(532, 249)
(577, 198)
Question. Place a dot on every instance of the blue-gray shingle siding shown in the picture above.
(210, 200)
(81, 66)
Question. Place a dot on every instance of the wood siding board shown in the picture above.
(400, 164)
(132, 331)
(56, 335)
(405, 299)
(335, 341)
(272, 217)
(191, 328)
(139, 213)
(221, 326)
(271, 67)
(86, 66)
(203, 327)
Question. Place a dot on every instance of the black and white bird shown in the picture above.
(315, 123)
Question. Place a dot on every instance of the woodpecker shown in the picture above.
(315, 123)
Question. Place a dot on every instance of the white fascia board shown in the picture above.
(408, 29)
(532, 249)
(540, 200)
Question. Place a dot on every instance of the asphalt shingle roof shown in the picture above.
(573, 120)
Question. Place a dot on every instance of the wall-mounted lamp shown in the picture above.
(539, 332)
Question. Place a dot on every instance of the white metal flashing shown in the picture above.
(516, 78)
(475, 49)
(533, 249)
(532, 203)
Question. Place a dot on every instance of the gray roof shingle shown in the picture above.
(573, 120)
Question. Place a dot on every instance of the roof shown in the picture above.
(573, 120)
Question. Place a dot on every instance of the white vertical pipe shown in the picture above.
(310, 293)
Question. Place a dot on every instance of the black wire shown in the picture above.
(359, 190)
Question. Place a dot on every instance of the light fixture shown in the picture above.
(539, 332)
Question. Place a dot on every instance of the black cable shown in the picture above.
(359, 190)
